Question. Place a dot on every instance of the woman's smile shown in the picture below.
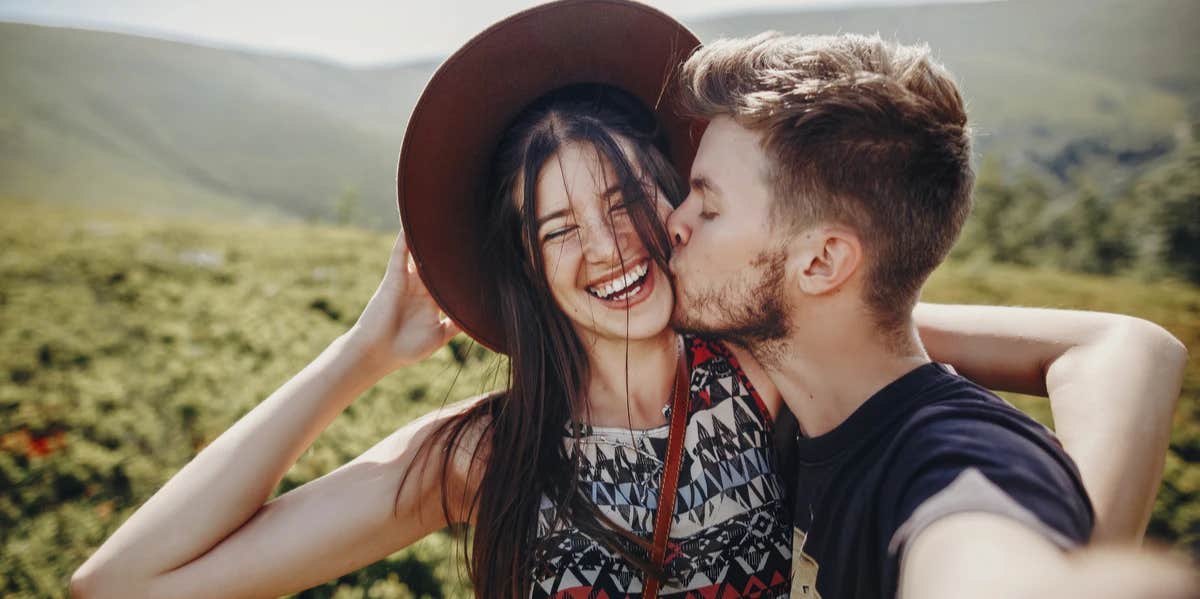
(627, 288)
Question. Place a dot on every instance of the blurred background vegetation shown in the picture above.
(183, 228)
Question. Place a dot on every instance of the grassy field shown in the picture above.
(127, 344)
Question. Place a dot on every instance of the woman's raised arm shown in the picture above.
(1112, 380)
(210, 532)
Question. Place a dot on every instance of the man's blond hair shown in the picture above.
(859, 131)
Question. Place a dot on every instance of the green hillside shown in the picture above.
(99, 118)
(1096, 88)
(127, 343)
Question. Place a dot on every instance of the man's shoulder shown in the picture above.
(963, 448)
(971, 428)
(952, 409)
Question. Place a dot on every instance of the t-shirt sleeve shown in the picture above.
(1003, 467)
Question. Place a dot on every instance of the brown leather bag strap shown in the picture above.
(680, 400)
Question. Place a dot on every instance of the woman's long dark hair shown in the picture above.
(521, 452)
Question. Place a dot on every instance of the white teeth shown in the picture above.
(619, 284)
(630, 293)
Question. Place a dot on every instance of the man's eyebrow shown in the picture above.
(702, 183)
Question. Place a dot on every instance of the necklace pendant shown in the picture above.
(666, 411)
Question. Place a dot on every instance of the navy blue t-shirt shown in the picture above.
(928, 445)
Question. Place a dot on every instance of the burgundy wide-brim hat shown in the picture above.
(475, 95)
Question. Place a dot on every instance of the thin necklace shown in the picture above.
(674, 388)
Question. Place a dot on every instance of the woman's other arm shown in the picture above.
(1112, 380)
(208, 531)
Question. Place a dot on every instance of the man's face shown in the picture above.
(729, 264)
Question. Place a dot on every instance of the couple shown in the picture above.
(826, 450)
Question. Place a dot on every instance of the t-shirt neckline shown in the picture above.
(872, 415)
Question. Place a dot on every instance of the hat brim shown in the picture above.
(473, 97)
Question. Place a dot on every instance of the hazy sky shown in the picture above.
(358, 32)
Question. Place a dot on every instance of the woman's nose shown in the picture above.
(600, 244)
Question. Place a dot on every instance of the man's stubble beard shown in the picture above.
(751, 311)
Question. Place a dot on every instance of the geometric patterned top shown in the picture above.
(732, 532)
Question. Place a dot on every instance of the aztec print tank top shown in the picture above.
(731, 535)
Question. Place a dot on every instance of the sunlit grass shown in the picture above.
(128, 343)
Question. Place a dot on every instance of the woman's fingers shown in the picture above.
(414, 286)
(449, 330)
(403, 267)
(402, 243)
(400, 256)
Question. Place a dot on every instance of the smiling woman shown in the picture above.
(561, 471)
(598, 270)
(579, 252)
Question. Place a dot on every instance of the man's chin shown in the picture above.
(767, 321)
(687, 323)
(689, 317)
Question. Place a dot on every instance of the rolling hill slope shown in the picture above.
(88, 117)
(1095, 87)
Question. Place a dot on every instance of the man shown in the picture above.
(838, 169)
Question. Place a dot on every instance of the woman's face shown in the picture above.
(597, 268)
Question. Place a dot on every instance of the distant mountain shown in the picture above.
(1100, 87)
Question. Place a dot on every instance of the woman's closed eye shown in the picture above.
(559, 233)
(618, 210)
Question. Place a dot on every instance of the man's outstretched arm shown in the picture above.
(983, 555)
(1113, 382)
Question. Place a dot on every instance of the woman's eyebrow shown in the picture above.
(553, 215)
(615, 189)
(611, 191)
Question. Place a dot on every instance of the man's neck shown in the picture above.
(827, 368)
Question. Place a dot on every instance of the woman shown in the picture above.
(581, 254)
(559, 472)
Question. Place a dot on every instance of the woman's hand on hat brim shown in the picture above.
(401, 324)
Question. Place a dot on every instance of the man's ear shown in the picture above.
(824, 258)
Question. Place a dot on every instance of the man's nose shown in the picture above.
(677, 224)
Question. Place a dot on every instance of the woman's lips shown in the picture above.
(632, 295)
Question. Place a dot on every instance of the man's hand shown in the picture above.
(981, 555)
